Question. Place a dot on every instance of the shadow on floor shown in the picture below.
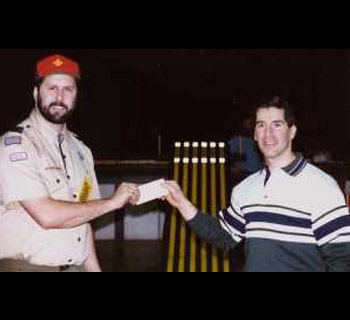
(141, 256)
(129, 256)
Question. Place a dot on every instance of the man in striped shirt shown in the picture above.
(292, 215)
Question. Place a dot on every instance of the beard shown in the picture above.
(55, 117)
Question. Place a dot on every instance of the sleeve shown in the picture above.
(96, 194)
(226, 232)
(208, 228)
(232, 220)
(331, 227)
(337, 257)
(20, 177)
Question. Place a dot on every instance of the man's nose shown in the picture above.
(267, 132)
(60, 95)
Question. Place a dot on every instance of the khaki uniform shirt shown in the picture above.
(37, 162)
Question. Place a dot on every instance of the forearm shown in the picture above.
(92, 264)
(70, 215)
(187, 210)
(209, 229)
(52, 214)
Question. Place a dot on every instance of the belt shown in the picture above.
(10, 265)
(72, 268)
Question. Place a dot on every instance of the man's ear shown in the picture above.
(293, 132)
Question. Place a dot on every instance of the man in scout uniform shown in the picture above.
(48, 187)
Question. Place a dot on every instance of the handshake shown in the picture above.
(160, 189)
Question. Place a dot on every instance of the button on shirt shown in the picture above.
(37, 162)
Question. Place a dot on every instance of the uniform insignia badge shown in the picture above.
(19, 156)
(58, 62)
(9, 141)
(81, 157)
(86, 190)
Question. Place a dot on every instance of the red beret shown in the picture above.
(57, 64)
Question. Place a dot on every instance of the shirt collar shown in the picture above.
(297, 166)
(294, 168)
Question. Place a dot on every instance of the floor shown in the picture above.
(130, 256)
(141, 256)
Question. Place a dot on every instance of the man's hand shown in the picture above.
(126, 193)
(178, 200)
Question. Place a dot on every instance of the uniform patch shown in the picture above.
(86, 190)
(9, 141)
(19, 156)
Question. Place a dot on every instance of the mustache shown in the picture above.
(58, 104)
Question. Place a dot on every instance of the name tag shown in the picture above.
(19, 156)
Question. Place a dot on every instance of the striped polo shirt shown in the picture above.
(292, 219)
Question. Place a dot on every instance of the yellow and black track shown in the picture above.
(200, 169)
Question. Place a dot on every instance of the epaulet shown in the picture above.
(76, 136)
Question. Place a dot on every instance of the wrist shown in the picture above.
(188, 210)
(113, 204)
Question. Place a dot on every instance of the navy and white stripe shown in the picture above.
(333, 226)
(278, 223)
(233, 222)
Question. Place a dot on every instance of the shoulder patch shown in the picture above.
(9, 141)
(18, 156)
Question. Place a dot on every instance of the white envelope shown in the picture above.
(152, 191)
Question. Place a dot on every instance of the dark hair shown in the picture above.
(279, 103)
(38, 82)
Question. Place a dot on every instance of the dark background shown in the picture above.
(130, 96)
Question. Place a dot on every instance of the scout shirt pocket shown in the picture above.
(55, 180)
